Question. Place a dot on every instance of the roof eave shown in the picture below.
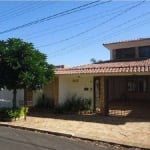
(108, 74)
(127, 44)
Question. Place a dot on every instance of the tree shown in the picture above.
(94, 61)
(22, 66)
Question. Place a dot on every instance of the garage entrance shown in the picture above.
(129, 96)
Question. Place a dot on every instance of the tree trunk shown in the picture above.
(14, 98)
(25, 103)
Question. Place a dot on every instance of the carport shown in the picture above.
(129, 96)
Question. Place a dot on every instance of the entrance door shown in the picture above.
(96, 92)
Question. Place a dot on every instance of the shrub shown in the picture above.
(59, 109)
(10, 113)
(45, 102)
(74, 104)
(21, 112)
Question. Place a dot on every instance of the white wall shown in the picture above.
(6, 97)
(74, 85)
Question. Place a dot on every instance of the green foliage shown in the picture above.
(45, 102)
(74, 104)
(60, 109)
(22, 66)
(10, 113)
(94, 61)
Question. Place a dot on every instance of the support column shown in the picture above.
(51, 90)
(103, 96)
(56, 91)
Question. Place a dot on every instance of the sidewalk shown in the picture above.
(132, 132)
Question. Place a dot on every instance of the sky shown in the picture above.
(74, 39)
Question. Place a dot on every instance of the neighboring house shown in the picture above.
(23, 96)
(126, 77)
(6, 97)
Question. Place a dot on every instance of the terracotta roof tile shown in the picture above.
(135, 66)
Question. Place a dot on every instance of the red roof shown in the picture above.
(135, 66)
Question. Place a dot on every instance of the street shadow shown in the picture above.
(120, 112)
(93, 118)
(131, 109)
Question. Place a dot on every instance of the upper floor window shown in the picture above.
(125, 53)
(144, 51)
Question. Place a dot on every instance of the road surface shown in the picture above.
(16, 139)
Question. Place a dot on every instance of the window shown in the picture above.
(126, 53)
(131, 85)
(141, 85)
(144, 52)
(137, 85)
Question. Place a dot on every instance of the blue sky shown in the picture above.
(50, 36)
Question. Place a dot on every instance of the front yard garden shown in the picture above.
(10, 114)
(73, 104)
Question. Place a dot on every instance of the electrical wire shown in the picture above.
(94, 27)
(64, 13)
(72, 23)
(19, 12)
(128, 28)
(15, 10)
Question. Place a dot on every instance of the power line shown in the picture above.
(94, 27)
(142, 22)
(20, 11)
(78, 48)
(126, 22)
(81, 21)
(128, 28)
(15, 10)
(3, 13)
(64, 13)
(73, 23)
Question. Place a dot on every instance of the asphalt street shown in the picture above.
(16, 139)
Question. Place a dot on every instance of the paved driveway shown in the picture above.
(127, 131)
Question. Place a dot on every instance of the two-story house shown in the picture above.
(124, 79)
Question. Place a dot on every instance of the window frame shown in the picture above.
(142, 48)
(135, 85)
(131, 85)
(122, 54)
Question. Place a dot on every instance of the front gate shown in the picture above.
(129, 96)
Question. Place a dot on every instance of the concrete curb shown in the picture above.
(145, 147)
(127, 145)
(38, 130)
